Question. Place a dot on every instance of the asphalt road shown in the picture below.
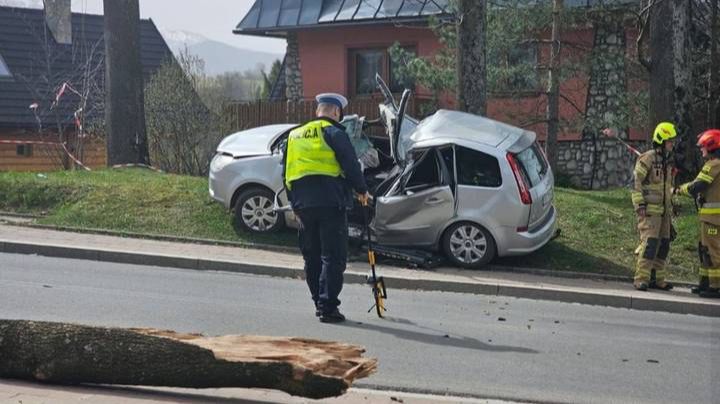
(489, 347)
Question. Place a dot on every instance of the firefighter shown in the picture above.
(321, 168)
(652, 200)
(705, 188)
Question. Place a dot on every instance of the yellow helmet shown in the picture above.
(664, 131)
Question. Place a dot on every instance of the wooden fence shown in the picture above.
(241, 116)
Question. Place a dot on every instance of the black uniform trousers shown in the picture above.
(323, 239)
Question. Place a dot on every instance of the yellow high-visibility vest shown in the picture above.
(309, 154)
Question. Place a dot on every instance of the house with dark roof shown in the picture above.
(339, 45)
(52, 86)
(336, 45)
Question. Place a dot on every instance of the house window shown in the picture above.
(4, 71)
(365, 63)
(24, 150)
(516, 69)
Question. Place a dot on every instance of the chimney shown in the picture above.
(59, 20)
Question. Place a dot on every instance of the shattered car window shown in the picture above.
(425, 173)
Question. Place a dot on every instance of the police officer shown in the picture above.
(320, 169)
(652, 200)
(706, 190)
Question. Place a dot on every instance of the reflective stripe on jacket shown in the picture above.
(710, 196)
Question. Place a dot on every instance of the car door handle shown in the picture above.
(434, 201)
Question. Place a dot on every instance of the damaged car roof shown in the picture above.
(446, 125)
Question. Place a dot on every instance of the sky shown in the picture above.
(214, 19)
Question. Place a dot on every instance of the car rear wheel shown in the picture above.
(254, 212)
(468, 245)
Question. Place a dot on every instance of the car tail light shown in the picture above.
(525, 196)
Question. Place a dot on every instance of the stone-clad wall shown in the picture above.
(610, 161)
(596, 161)
(293, 78)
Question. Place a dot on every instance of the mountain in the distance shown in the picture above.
(219, 57)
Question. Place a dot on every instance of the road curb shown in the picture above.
(295, 250)
(560, 294)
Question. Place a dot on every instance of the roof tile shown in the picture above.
(25, 44)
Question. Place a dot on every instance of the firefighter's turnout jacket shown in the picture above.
(705, 188)
(654, 174)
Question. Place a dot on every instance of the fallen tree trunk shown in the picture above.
(74, 354)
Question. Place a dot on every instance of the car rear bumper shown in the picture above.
(518, 243)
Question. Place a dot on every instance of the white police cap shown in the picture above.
(332, 98)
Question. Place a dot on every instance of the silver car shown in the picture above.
(466, 185)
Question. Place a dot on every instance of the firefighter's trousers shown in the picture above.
(654, 248)
(709, 255)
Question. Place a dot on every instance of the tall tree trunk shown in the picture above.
(712, 94)
(553, 97)
(124, 102)
(687, 155)
(661, 67)
(73, 354)
(471, 56)
(671, 78)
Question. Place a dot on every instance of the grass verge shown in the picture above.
(598, 227)
(129, 200)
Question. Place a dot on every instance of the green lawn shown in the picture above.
(129, 200)
(598, 234)
(598, 227)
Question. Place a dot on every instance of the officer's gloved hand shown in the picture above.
(641, 211)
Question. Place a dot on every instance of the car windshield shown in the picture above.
(533, 164)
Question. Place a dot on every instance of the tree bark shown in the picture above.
(124, 101)
(713, 76)
(671, 79)
(553, 94)
(72, 354)
(661, 67)
(687, 155)
(471, 57)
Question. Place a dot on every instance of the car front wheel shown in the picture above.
(254, 212)
(468, 245)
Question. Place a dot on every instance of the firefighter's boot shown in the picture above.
(640, 285)
(711, 293)
(703, 285)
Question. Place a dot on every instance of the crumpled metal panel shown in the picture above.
(415, 219)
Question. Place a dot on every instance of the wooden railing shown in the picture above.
(245, 115)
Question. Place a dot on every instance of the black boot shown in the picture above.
(697, 289)
(711, 293)
(640, 286)
(332, 317)
(702, 286)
